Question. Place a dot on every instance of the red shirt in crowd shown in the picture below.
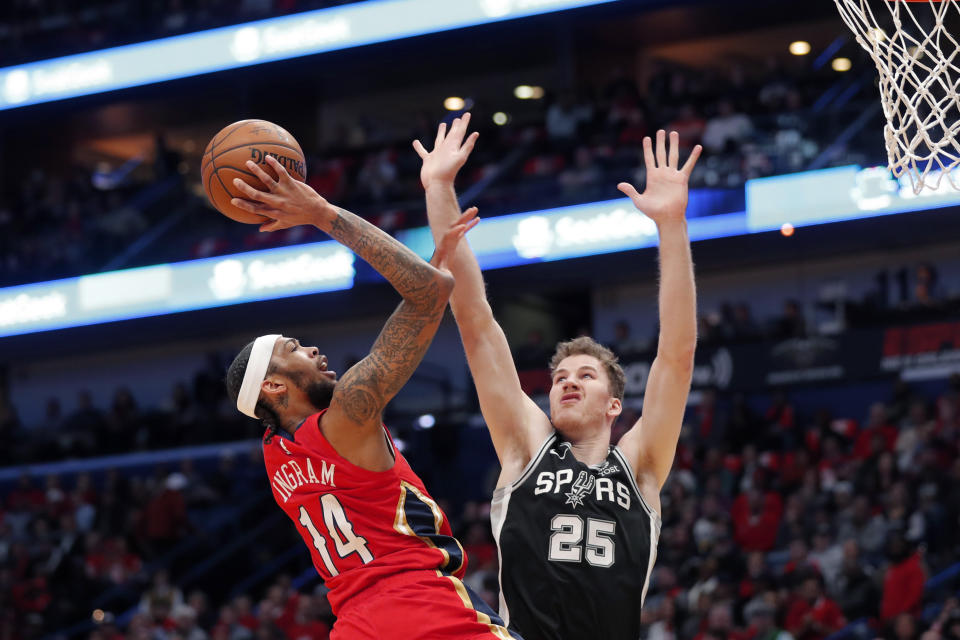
(903, 588)
(823, 611)
(756, 532)
(307, 630)
(165, 516)
(861, 446)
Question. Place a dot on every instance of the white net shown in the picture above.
(916, 50)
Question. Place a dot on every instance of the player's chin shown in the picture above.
(567, 420)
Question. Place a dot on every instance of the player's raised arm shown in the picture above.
(651, 444)
(517, 426)
(364, 390)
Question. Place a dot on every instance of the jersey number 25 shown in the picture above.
(568, 534)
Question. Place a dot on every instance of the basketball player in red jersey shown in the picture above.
(380, 542)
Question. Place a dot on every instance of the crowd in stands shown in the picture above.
(579, 146)
(779, 521)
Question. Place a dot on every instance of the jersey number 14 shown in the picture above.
(339, 529)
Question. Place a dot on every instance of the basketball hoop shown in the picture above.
(914, 44)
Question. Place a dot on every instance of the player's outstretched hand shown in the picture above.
(449, 153)
(665, 197)
(452, 236)
(287, 202)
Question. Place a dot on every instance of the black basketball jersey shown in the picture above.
(577, 545)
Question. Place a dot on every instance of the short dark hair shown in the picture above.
(234, 380)
(585, 345)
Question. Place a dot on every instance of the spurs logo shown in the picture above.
(581, 487)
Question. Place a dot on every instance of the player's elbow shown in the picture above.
(445, 282)
(678, 358)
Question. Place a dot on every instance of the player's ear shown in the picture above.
(615, 407)
(272, 387)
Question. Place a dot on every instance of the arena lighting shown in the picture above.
(98, 615)
(252, 43)
(841, 64)
(500, 118)
(523, 92)
(786, 229)
(800, 47)
(454, 103)
(171, 288)
(426, 421)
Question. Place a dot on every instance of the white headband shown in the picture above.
(256, 371)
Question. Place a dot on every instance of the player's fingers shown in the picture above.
(470, 225)
(661, 148)
(673, 154)
(264, 177)
(467, 215)
(441, 134)
(254, 194)
(273, 225)
(282, 175)
(629, 190)
(648, 154)
(692, 160)
(455, 135)
(420, 149)
(254, 207)
(468, 145)
(459, 128)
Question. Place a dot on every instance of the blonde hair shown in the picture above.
(588, 346)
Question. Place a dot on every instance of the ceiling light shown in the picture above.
(454, 103)
(841, 64)
(800, 48)
(500, 118)
(523, 92)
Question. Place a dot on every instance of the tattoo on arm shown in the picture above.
(366, 388)
(404, 269)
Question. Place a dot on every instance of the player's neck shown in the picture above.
(593, 448)
(294, 415)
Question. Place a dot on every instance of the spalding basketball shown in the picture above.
(226, 158)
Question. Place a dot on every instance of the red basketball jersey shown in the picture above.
(360, 526)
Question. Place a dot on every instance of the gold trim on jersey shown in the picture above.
(482, 618)
(400, 524)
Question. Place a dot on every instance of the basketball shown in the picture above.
(225, 158)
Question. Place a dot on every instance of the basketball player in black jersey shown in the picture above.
(576, 520)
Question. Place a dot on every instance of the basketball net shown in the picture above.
(919, 63)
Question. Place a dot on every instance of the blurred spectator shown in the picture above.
(791, 324)
(812, 615)
(878, 431)
(624, 345)
(727, 129)
(903, 581)
(925, 292)
(565, 117)
(689, 125)
(763, 625)
(756, 518)
(164, 519)
(855, 589)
